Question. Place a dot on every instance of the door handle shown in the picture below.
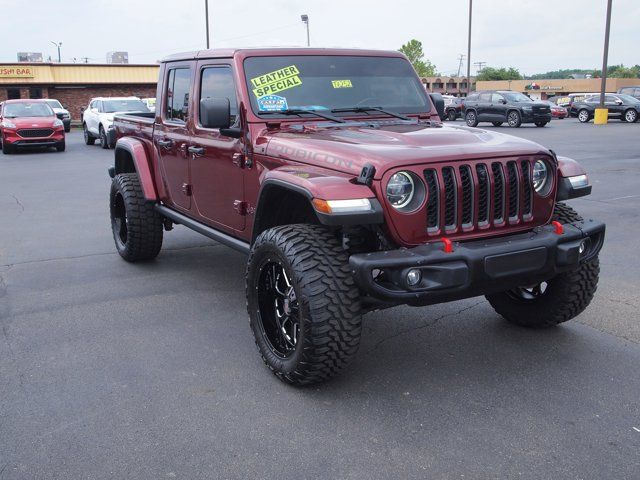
(196, 151)
(165, 143)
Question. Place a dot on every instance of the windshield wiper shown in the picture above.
(298, 111)
(369, 109)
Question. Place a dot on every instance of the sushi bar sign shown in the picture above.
(16, 72)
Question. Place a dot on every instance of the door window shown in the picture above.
(495, 98)
(485, 97)
(177, 95)
(217, 82)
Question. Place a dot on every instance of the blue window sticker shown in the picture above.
(272, 103)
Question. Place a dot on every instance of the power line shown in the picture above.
(460, 58)
(479, 65)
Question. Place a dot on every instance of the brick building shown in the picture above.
(448, 85)
(76, 83)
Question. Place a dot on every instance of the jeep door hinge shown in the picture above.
(186, 189)
(243, 208)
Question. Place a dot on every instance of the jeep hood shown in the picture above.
(349, 148)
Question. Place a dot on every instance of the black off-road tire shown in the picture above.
(137, 227)
(88, 138)
(329, 311)
(565, 297)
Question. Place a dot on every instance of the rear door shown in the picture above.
(217, 170)
(171, 135)
(614, 105)
(484, 107)
(498, 108)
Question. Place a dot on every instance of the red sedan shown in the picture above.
(557, 111)
(29, 123)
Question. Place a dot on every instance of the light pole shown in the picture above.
(469, 51)
(305, 20)
(602, 115)
(206, 19)
(58, 45)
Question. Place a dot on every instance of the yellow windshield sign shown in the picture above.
(276, 81)
(341, 84)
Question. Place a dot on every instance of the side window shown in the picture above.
(495, 98)
(485, 97)
(610, 99)
(177, 95)
(217, 82)
(99, 105)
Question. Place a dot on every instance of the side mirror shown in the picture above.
(215, 113)
(503, 101)
(438, 102)
(618, 102)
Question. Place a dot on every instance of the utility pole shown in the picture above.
(58, 45)
(86, 59)
(206, 19)
(605, 56)
(469, 51)
(305, 20)
(479, 66)
(460, 58)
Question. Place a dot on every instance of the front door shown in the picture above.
(217, 172)
(484, 107)
(498, 108)
(171, 135)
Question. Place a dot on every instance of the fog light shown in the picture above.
(413, 277)
(582, 247)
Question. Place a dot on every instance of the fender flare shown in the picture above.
(131, 156)
(567, 168)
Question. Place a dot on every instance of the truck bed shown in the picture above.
(138, 125)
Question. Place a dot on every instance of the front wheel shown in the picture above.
(303, 305)
(471, 118)
(583, 116)
(513, 119)
(452, 115)
(557, 300)
(61, 146)
(6, 148)
(136, 225)
(104, 142)
(541, 124)
(630, 115)
(88, 138)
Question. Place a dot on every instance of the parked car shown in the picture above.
(577, 98)
(624, 107)
(61, 112)
(347, 195)
(150, 103)
(29, 123)
(633, 91)
(499, 106)
(557, 111)
(97, 118)
(452, 107)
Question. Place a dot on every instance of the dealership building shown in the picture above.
(543, 89)
(75, 84)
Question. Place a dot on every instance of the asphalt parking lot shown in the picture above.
(114, 370)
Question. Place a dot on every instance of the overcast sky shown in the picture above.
(531, 35)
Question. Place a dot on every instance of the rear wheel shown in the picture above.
(513, 119)
(88, 138)
(583, 115)
(497, 124)
(136, 225)
(556, 300)
(303, 305)
(471, 118)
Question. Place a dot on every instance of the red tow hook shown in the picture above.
(448, 246)
(557, 227)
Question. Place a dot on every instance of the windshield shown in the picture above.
(54, 103)
(628, 98)
(333, 82)
(39, 109)
(517, 97)
(127, 105)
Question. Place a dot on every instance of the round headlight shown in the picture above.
(540, 175)
(400, 189)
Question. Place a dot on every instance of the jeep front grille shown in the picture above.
(468, 197)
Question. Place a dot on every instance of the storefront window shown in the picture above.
(13, 93)
(35, 92)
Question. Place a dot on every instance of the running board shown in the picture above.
(205, 230)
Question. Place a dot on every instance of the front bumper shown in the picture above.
(12, 138)
(477, 267)
(531, 117)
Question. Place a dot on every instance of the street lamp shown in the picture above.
(58, 45)
(305, 20)
(206, 19)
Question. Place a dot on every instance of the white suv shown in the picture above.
(97, 118)
(61, 112)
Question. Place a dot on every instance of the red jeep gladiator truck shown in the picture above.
(331, 170)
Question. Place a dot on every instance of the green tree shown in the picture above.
(489, 73)
(413, 50)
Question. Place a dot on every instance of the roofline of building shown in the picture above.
(56, 64)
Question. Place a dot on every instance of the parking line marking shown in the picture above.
(636, 429)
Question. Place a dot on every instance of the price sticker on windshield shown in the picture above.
(276, 81)
(341, 84)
